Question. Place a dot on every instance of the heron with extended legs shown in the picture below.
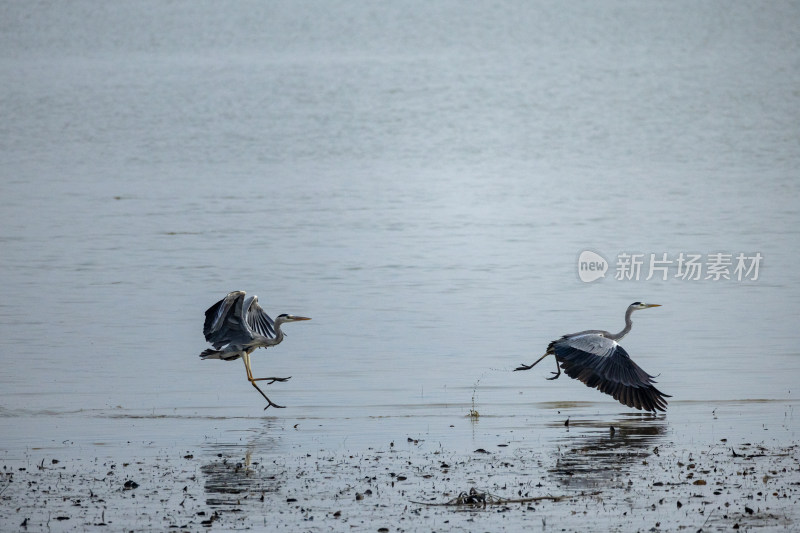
(236, 325)
(596, 358)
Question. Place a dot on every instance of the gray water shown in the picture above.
(419, 178)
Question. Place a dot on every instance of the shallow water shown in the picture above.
(420, 181)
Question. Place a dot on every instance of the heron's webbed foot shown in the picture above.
(270, 403)
(273, 380)
(528, 367)
(555, 374)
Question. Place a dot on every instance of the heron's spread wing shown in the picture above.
(224, 320)
(589, 342)
(603, 364)
(258, 320)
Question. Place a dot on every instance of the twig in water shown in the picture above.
(473, 497)
(708, 518)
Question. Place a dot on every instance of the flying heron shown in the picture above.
(595, 358)
(236, 326)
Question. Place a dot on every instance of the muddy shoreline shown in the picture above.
(408, 485)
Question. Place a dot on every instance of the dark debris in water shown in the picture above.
(415, 485)
(476, 497)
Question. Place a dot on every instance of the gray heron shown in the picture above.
(236, 326)
(595, 358)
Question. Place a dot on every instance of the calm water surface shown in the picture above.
(420, 180)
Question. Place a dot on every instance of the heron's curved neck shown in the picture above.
(278, 332)
(628, 325)
(262, 340)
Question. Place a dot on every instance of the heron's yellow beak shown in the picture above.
(653, 305)
(301, 318)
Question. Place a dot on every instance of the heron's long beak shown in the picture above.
(653, 305)
(296, 318)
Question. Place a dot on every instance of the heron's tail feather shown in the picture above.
(211, 354)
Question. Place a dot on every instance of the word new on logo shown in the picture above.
(591, 266)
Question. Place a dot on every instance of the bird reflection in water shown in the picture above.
(596, 453)
(235, 473)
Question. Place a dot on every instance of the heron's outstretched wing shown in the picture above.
(258, 320)
(224, 320)
(603, 364)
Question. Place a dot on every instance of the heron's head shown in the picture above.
(284, 318)
(641, 305)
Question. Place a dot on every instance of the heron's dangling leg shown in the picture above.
(271, 380)
(270, 403)
(528, 367)
(556, 374)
